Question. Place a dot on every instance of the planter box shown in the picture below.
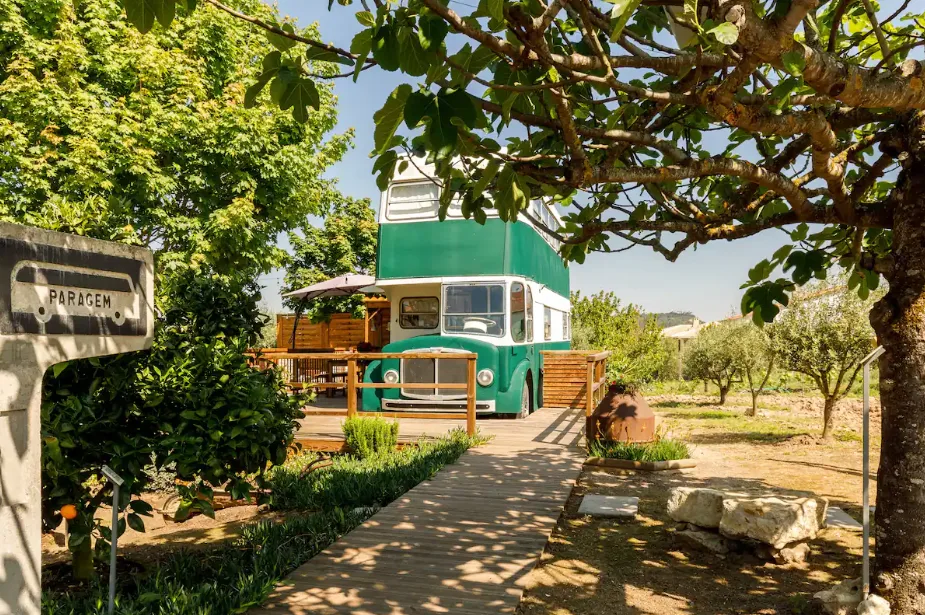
(644, 466)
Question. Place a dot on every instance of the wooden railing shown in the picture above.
(574, 378)
(321, 370)
(597, 380)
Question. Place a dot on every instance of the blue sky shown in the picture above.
(706, 281)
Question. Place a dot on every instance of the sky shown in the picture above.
(706, 282)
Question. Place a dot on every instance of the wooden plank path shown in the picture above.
(463, 542)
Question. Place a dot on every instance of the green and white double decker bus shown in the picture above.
(499, 289)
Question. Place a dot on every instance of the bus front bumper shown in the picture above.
(433, 405)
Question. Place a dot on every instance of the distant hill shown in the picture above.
(670, 319)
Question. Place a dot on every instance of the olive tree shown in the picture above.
(714, 356)
(755, 358)
(813, 116)
(825, 336)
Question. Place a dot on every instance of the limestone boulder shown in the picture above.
(874, 605)
(843, 599)
(707, 541)
(702, 507)
(772, 521)
(796, 554)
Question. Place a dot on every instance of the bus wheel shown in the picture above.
(526, 399)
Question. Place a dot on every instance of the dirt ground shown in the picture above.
(594, 566)
(163, 537)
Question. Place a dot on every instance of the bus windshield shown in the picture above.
(474, 308)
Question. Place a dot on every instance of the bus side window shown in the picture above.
(518, 312)
(547, 323)
(529, 314)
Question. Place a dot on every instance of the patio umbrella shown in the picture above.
(341, 286)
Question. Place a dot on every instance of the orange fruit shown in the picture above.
(69, 511)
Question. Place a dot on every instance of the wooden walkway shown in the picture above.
(463, 542)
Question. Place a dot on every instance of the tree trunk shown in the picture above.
(828, 422)
(753, 411)
(82, 561)
(899, 320)
(723, 391)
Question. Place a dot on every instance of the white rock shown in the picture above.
(709, 541)
(703, 507)
(874, 605)
(797, 554)
(770, 520)
(842, 599)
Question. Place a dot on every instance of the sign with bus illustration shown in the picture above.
(499, 290)
(62, 297)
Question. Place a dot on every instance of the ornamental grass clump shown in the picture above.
(660, 449)
(368, 436)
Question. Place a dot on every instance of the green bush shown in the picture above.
(227, 579)
(662, 449)
(367, 436)
(374, 481)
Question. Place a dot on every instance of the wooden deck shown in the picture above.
(463, 542)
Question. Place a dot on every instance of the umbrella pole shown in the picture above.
(295, 324)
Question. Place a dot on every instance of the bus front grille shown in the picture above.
(433, 370)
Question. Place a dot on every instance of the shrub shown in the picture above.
(374, 481)
(715, 357)
(193, 401)
(661, 449)
(367, 436)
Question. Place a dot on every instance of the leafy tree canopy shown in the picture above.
(345, 243)
(602, 322)
(145, 139)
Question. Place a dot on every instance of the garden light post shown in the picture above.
(116, 481)
(865, 504)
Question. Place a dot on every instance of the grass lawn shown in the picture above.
(594, 566)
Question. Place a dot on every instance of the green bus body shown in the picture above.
(457, 262)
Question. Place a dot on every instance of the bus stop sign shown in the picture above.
(62, 297)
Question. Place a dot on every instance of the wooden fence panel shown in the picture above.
(568, 375)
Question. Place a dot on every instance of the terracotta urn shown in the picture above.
(621, 416)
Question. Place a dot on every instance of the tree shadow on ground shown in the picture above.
(597, 565)
(739, 437)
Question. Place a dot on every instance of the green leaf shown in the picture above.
(143, 13)
(251, 94)
(361, 46)
(496, 9)
(279, 41)
(58, 368)
(299, 97)
(135, 522)
(459, 105)
(432, 31)
(415, 60)
(620, 15)
(417, 107)
(794, 61)
(317, 54)
(387, 49)
(509, 197)
(366, 19)
(726, 33)
(388, 118)
(488, 174)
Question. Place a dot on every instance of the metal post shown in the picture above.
(865, 503)
(116, 483)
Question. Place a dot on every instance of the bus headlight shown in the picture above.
(390, 376)
(485, 377)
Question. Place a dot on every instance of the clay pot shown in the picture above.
(621, 417)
